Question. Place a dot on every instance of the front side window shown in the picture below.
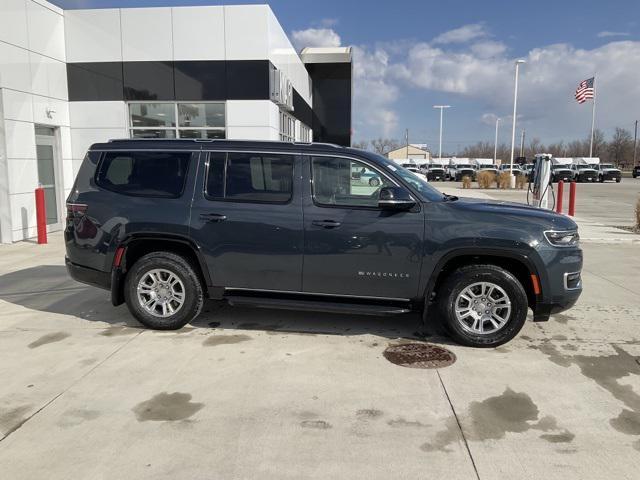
(149, 174)
(344, 182)
(250, 177)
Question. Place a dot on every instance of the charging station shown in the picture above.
(540, 186)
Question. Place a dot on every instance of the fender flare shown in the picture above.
(483, 251)
(117, 273)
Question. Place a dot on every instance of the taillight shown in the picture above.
(75, 210)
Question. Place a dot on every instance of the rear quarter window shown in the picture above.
(144, 174)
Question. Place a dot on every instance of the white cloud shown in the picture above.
(607, 33)
(488, 48)
(548, 81)
(328, 22)
(315, 37)
(374, 92)
(464, 34)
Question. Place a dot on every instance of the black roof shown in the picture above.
(197, 144)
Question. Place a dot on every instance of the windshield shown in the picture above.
(418, 183)
(607, 165)
(582, 167)
(558, 167)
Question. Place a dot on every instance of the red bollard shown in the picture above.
(560, 196)
(572, 199)
(41, 216)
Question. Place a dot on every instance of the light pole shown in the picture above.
(441, 107)
(495, 144)
(513, 128)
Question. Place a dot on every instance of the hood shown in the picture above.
(548, 219)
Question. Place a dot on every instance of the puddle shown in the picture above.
(494, 417)
(214, 340)
(167, 407)
(49, 338)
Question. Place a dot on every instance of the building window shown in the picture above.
(287, 127)
(177, 120)
(305, 133)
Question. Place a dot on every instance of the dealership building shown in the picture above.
(70, 78)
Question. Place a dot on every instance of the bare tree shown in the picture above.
(362, 145)
(384, 145)
(620, 147)
(599, 144)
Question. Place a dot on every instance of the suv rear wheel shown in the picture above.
(163, 291)
(482, 305)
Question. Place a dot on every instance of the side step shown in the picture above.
(317, 306)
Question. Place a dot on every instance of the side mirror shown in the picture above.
(395, 198)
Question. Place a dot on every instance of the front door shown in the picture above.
(247, 219)
(46, 164)
(351, 246)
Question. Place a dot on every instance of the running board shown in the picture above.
(317, 306)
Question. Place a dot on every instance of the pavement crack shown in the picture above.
(455, 415)
(610, 281)
(73, 384)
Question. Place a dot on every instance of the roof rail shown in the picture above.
(222, 140)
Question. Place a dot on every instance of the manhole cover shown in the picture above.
(419, 355)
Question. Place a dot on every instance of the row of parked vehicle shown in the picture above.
(581, 169)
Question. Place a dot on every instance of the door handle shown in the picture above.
(212, 217)
(326, 223)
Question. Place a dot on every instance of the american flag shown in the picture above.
(585, 90)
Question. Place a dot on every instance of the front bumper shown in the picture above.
(436, 175)
(611, 176)
(588, 177)
(562, 285)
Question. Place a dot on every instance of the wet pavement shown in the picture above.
(86, 393)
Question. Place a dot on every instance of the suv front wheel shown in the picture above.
(482, 305)
(163, 291)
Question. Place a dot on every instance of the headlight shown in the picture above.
(562, 239)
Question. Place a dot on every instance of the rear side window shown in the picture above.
(250, 177)
(146, 174)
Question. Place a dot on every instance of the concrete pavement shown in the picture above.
(600, 208)
(86, 393)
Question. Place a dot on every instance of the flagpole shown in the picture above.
(593, 117)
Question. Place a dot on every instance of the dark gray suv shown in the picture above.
(164, 224)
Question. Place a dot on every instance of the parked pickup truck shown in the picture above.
(436, 172)
(561, 172)
(583, 173)
(606, 171)
(165, 224)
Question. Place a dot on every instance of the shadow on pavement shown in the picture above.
(48, 288)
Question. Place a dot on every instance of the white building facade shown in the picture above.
(70, 78)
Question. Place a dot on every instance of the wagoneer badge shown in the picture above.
(383, 274)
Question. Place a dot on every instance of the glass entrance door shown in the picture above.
(46, 155)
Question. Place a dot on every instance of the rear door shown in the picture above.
(351, 246)
(246, 218)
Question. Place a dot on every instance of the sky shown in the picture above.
(411, 55)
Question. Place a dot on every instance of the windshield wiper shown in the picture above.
(449, 198)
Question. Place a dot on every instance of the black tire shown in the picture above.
(618, 180)
(601, 179)
(181, 268)
(374, 182)
(463, 277)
